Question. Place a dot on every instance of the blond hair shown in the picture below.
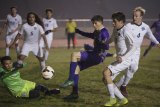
(142, 10)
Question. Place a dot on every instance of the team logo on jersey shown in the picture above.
(35, 28)
(143, 28)
(15, 19)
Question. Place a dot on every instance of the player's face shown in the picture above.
(7, 64)
(117, 24)
(31, 19)
(13, 11)
(97, 25)
(49, 14)
(137, 18)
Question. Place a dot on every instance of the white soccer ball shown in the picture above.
(48, 73)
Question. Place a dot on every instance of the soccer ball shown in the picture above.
(48, 73)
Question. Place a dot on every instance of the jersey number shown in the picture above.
(138, 35)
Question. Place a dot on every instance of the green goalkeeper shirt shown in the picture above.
(12, 81)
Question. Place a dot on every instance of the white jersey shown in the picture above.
(124, 42)
(50, 24)
(32, 34)
(139, 31)
(13, 22)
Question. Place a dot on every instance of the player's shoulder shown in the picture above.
(144, 25)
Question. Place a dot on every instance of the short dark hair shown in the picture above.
(97, 18)
(49, 10)
(119, 16)
(4, 58)
(13, 7)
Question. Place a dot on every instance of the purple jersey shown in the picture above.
(100, 39)
(156, 25)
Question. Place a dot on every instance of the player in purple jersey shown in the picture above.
(85, 59)
(156, 26)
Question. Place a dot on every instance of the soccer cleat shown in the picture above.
(67, 83)
(124, 91)
(111, 102)
(72, 96)
(122, 102)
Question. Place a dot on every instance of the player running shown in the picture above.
(156, 26)
(125, 48)
(10, 77)
(85, 59)
(50, 26)
(139, 29)
(32, 31)
(13, 24)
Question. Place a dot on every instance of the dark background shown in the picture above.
(80, 9)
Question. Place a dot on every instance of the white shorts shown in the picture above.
(11, 38)
(116, 67)
(49, 38)
(27, 48)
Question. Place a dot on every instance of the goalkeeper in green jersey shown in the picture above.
(10, 77)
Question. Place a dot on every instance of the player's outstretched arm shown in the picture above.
(45, 41)
(4, 27)
(86, 34)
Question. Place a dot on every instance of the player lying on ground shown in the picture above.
(10, 77)
(156, 26)
(13, 24)
(85, 59)
(32, 32)
(139, 29)
(125, 48)
(50, 26)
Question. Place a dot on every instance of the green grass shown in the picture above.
(144, 89)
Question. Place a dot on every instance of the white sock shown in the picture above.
(117, 92)
(7, 51)
(46, 54)
(20, 61)
(111, 90)
(42, 64)
(120, 82)
(126, 81)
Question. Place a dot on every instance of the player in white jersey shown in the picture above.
(50, 26)
(32, 31)
(13, 24)
(125, 48)
(139, 29)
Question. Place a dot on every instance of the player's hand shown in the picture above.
(47, 48)
(158, 45)
(119, 59)
(77, 30)
(47, 32)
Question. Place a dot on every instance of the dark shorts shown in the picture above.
(88, 59)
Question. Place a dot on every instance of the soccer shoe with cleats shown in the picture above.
(72, 96)
(111, 102)
(67, 83)
(122, 102)
(123, 90)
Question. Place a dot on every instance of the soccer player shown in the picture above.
(13, 24)
(156, 26)
(32, 31)
(18, 87)
(85, 59)
(139, 29)
(50, 26)
(70, 31)
(125, 48)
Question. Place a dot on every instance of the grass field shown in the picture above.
(144, 89)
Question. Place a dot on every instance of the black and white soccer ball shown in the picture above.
(48, 73)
